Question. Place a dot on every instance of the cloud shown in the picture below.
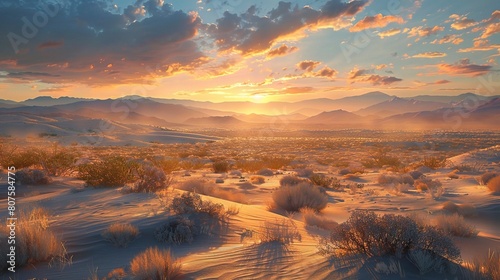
(462, 22)
(454, 39)
(491, 29)
(251, 34)
(281, 51)
(366, 76)
(429, 55)
(376, 21)
(326, 72)
(424, 32)
(463, 67)
(481, 45)
(389, 33)
(308, 65)
(90, 42)
(297, 90)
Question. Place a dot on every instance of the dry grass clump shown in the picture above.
(374, 235)
(294, 198)
(487, 267)
(176, 230)
(455, 225)
(257, 180)
(58, 161)
(282, 231)
(265, 172)
(221, 166)
(155, 264)
(117, 274)
(322, 180)
(424, 184)
(120, 234)
(386, 179)
(168, 165)
(113, 171)
(465, 209)
(314, 219)
(206, 188)
(494, 184)
(151, 179)
(35, 242)
(250, 165)
(32, 177)
(434, 162)
(486, 177)
(290, 180)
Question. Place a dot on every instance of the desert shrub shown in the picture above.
(293, 198)
(151, 179)
(425, 183)
(380, 159)
(59, 161)
(455, 225)
(220, 166)
(192, 164)
(304, 172)
(167, 165)
(486, 177)
(433, 162)
(276, 162)
(257, 180)
(464, 209)
(189, 203)
(32, 177)
(281, 231)
(112, 171)
(19, 158)
(487, 267)
(120, 234)
(176, 230)
(117, 274)
(322, 180)
(374, 235)
(155, 264)
(290, 180)
(415, 174)
(265, 172)
(314, 219)
(35, 242)
(450, 207)
(494, 184)
(250, 165)
(205, 188)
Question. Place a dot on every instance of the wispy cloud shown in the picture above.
(429, 55)
(376, 21)
(463, 67)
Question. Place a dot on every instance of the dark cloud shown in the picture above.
(308, 65)
(90, 42)
(249, 34)
(281, 51)
(367, 76)
(463, 67)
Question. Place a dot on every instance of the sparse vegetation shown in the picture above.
(155, 264)
(151, 179)
(487, 267)
(455, 225)
(322, 180)
(205, 188)
(221, 166)
(374, 235)
(314, 219)
(295, 197)
(265, 172)
(113, 171)
(257, 180)
(32, 177)
(290, 180)
(176, 230)
(281, 231)
(120, 234)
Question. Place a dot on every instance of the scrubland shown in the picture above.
(337, 205)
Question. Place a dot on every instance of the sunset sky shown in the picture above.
(247, 50)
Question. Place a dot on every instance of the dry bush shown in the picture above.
(380, 159)
(290, 180)
(34, 241)
(322, 180)
(151, 179)
(424, 184)
(374, 235)
(117, 274)
(120, 234)
(276, 162)
(250, 165)
(176, 230)
(465, 209)
(353, 170)
(494, 184)
(167, 165)
(12, 156)
(32, 177)
(59, 161)
(455, 225)
(433, 162)
(210, 189)
(304, 172)
(220, 166)
(281, 231)
(415, 174)
(487, 267)
(113, 171)
(192, 164)
(294, 198)
(314, 219)
(155, 264)
(265, 172)
(257, 180)
(486, 177)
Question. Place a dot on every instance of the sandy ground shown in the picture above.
(79, 215)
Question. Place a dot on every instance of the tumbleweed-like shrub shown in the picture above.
(155, 264)
(120, 234)
(293, 198)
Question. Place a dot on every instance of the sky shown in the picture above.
(241, 50)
